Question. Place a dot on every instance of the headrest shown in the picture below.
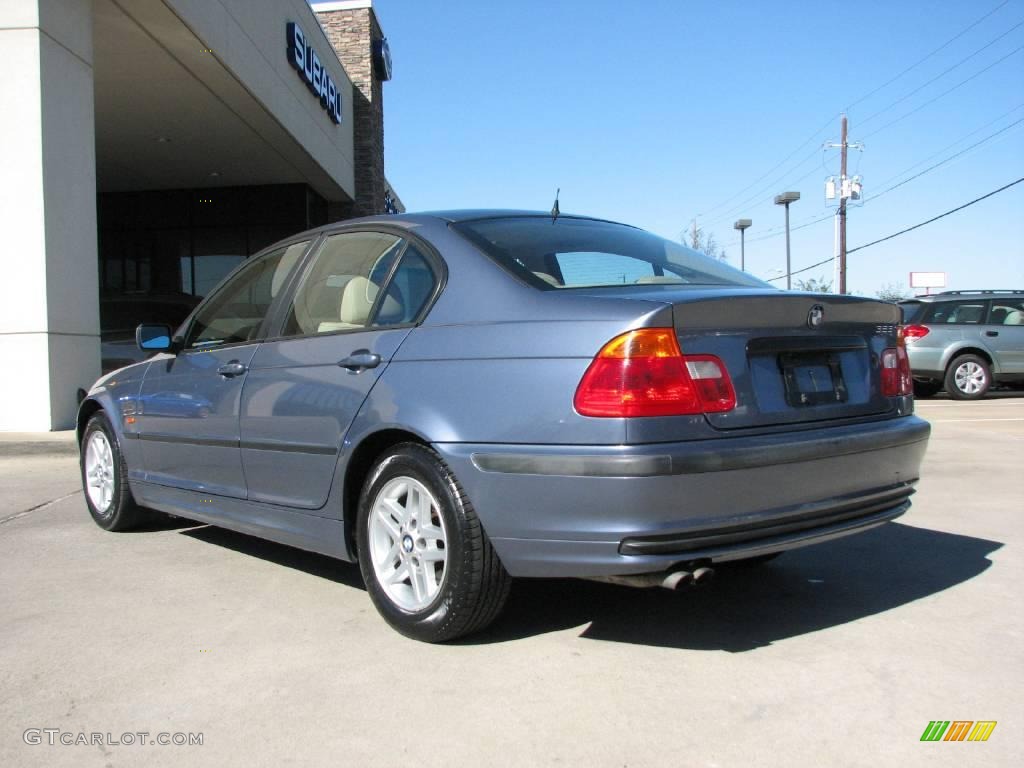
(357, 301)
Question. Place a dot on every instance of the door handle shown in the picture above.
(991, 333)
(232, 369)
(360, 360)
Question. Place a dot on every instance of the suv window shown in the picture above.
(1007, 312)
(339, 290)
(910, 310)
(960, 312)
(236, 310)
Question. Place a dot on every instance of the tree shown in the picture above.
(704, 242)
(893, 292)
(813, 285)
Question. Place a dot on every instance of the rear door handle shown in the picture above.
(232, 369)
(360, 360)
(991, 333)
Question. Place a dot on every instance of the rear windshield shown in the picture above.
(583, 253)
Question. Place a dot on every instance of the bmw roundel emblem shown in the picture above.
(816, 317)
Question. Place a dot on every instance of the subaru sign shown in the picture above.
(302, 56)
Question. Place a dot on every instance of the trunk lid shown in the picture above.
(792, 357)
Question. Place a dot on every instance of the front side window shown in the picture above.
(584, 253)
(1007, 312)
(341, 287)
(236, 311)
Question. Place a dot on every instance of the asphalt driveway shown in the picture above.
(833, 655)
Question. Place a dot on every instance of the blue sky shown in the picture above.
(653, 113)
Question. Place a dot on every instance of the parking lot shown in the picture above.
(834, 655)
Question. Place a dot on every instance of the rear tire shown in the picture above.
(427, 563)
(968, 378)
(105, 479)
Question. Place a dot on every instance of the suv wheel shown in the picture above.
(968, 378)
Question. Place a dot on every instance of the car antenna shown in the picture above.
(554, 208)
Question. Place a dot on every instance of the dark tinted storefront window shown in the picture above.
(186, 241)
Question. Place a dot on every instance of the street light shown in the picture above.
(785, 199)
(742, 225)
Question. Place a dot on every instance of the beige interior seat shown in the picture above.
(550, 279)
(356, 302)
(1016, 317)
(655, 279)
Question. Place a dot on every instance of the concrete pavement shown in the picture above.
(833, 655)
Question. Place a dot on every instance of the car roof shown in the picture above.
(961, 295)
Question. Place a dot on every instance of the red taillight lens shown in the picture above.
(896, 378)
(644, 373)
(912, 333)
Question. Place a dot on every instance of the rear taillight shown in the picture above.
(912, 333)
(896, 378)
(644, 373)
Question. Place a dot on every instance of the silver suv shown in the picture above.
(965, 341)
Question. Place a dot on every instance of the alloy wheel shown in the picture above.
(99, 471)
(408, 543)
(970, 377)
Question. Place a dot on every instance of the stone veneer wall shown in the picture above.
(351, 33)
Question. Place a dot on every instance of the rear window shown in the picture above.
(583, 253)
(910, 310)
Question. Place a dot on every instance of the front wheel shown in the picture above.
(427, 563)
(968, 378)
(105, 478)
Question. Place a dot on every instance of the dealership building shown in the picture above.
(149, 146)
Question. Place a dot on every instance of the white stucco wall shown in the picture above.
(49, 319)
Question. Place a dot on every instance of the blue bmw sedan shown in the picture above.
(459, 398)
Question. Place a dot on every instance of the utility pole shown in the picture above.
(847, 189)
(843, 145)
(693, 242)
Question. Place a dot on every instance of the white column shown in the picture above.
(49, 303)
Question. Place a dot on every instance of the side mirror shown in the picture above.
(153, 338)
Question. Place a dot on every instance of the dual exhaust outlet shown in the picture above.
(673, 580)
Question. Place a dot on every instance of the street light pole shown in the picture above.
(742, 225)
(785, 199)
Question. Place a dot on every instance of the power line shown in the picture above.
(979, 129)
(818, 132)
(936, 218)
(939, 76)
(946, 92)
(761, 191)
(772, 170)
(953, 39)
(902, 231)
(943, 162)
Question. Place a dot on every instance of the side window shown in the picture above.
(235, 312)
(1007, 312)
(970, 312)
(409, 291)
(340, 288)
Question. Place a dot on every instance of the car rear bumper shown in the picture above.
(607, 510)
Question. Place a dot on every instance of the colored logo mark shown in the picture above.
(958, 730)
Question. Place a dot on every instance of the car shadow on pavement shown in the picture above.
(748, 607)
(309, 562)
